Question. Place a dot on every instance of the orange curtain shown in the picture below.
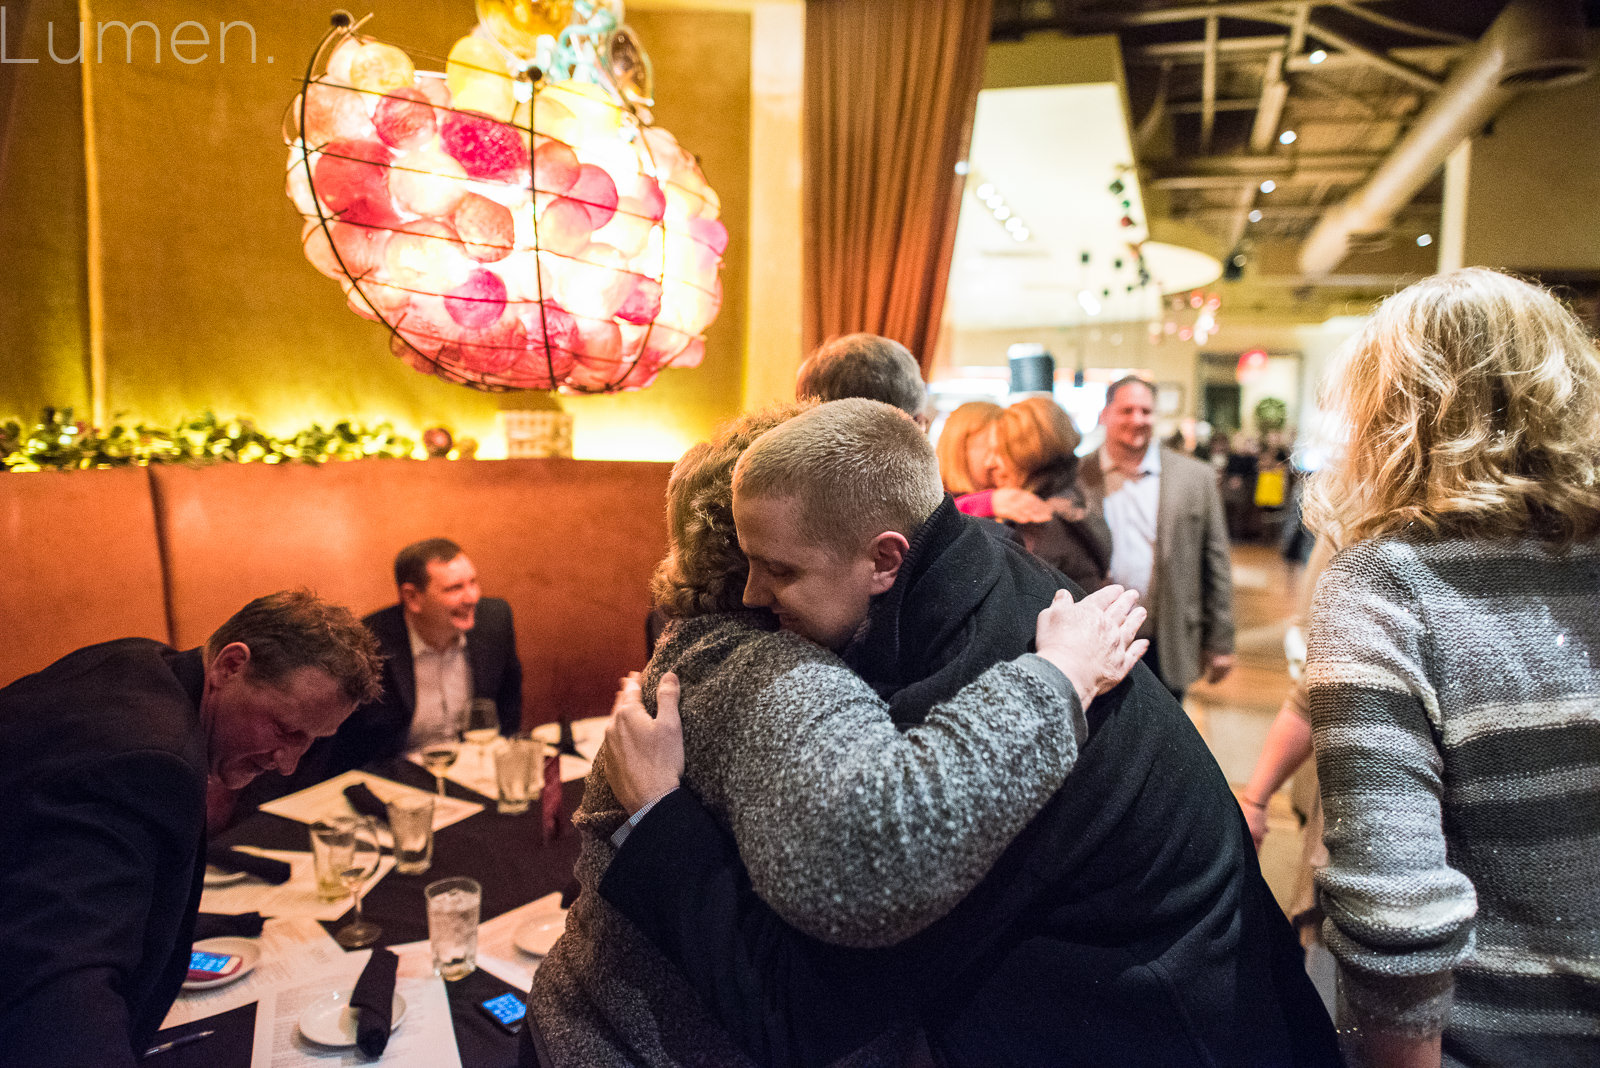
(890, 90)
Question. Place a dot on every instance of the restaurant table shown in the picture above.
(505, 854)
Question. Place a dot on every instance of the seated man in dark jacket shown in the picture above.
(443, 645)
(1127, 924)
(104, 758)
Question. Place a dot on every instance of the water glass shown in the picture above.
(411, 821)
(516, 769)
(333, 846)
(453, 925)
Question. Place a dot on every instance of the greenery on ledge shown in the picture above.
(59, 443)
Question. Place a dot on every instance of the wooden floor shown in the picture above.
(1233, 716)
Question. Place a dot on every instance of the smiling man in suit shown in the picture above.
(1169, 540)
(444, 644)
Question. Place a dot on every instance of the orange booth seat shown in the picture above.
(570, 544)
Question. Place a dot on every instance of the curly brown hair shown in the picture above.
(705, 570)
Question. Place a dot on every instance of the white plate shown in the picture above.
(216, 876)
(243, 948)
(328, 1020)
(540, 932)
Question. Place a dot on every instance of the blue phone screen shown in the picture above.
(200, 961)
(507, 1008)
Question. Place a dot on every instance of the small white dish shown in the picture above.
(328, 1021)
(540, 932)
(216, 876)
(245, 949)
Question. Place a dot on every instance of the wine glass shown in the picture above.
(362, 864)
(482, 726)
(437, 757)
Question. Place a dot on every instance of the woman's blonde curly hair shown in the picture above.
(1472, 406)
(704, 570)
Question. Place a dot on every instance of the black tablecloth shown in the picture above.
(503, 853)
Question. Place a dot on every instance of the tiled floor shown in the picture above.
(1233, 716)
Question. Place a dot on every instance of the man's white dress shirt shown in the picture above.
(444, 690)
(1130, 507)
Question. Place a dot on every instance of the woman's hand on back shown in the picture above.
(1093, 640)
(1019, 506)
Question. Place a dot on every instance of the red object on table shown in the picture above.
(550, 797)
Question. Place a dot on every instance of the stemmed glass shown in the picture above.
(437, 758)
(356, 871)
(482, 727)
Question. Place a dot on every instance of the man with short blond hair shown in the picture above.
(849, 468)
(104, 760)
(1126, 924)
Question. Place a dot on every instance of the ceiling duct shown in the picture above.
(1533, 44)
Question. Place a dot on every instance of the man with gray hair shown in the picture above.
(104, 760)
(864, 365)
(1128, 923)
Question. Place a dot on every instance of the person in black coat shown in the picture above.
(1127, 924)
(104, 757)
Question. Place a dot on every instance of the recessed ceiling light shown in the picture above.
(1089, 301)
(1268, 186)
(985, 191)
(1424, 240)
(1002, 213)
(962, 166)
(1317, 57)
(1020, 233)
(1288, 137)
(1013, 223)
(1255, 214)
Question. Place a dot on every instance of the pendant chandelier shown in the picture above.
(514, 221)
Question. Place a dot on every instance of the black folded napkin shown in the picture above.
(364, 801)
(565, 743)
(372, 1001)
(224, 925)
(266, 869)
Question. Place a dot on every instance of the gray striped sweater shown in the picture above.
(1455, 696)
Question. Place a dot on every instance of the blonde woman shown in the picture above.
(1454, 680)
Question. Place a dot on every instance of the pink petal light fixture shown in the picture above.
(514, 221)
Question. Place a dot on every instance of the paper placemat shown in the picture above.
(327, 799)
(297, 897)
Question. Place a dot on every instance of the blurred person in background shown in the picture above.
(963, 448)
(1032, 447)
(1168, 539)
(864, 365)
(1454, 679)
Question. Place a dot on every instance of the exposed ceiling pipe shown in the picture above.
(1532, 44)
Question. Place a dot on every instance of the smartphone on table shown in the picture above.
(204, 966)
(506, 1011)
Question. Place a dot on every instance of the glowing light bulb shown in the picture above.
(1268, 186)
(1288, 137)
(1317, 57)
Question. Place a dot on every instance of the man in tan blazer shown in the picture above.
(1169, 539)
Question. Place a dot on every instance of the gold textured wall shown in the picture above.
(208, 300)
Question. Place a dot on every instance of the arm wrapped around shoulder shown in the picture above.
(861, 835)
